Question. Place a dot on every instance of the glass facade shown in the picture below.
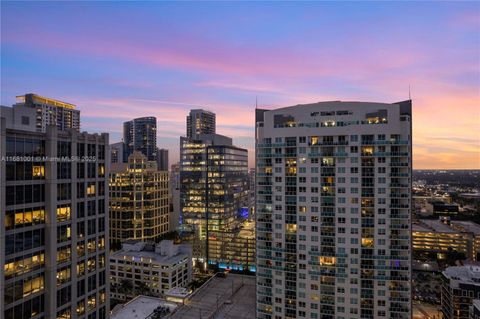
(214, 189)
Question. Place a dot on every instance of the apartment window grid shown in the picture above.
(356, 259)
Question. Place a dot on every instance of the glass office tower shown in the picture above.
(213, 191)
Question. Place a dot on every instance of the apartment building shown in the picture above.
(333, 211)
(460, 288)
(54, 221)
(200, 122)
(48, 112)
(150, 269)
(140, 134)
(139, 200)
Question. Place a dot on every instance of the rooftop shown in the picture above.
(468, 274)
(467, 226)
(215, 299)
(35, 98)
(140, 251)
(432, 225)
(140, 307)
(435, 225)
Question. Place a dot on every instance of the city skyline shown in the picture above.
(163, 59)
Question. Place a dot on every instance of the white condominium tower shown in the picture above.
(333, 211)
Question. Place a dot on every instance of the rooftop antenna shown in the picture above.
(256, 102)
(409, 95)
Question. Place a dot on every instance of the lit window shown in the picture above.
(63, 213)
(38, 171)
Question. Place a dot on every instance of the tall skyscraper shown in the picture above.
(214, 198)
(47, 112)
(200, 122)
(333, 210)
(139, 200)
(54, 220)
(162, 159)
(140, 134)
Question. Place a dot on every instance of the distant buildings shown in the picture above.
(141, 268)
(140, 134)
(162, 159)
(436, 239)
(117, 152)
(47, 112)
(139, 200)
(333, 211)
(54, 226)
(440, 208)
(460, 286)
(200, 122)
(175, 197)
(214, 196)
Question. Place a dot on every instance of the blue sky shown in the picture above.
(120, 60)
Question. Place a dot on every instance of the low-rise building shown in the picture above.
(460, 286)
(441, 208)
(434, 239)
(143, 307)
(146, 268)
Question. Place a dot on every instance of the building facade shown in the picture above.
(140, 134)
(48, 112)
(200, 122)
(54, 221)
(151, 269)
(117, 151)
(333, 211)
(175, 220)
(162, 159)
(460, 288)
(213, 191)
(437, 239)
(139, 200)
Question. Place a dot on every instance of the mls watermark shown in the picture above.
(48, 159)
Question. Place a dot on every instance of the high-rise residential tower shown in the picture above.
(140, 134)
(48, 112)
(139, 201)
(54, 220)
(200, 122)
(333, 210)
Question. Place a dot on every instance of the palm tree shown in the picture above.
(125, 287)
(142, 288)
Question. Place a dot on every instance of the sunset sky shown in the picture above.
(118, 61)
